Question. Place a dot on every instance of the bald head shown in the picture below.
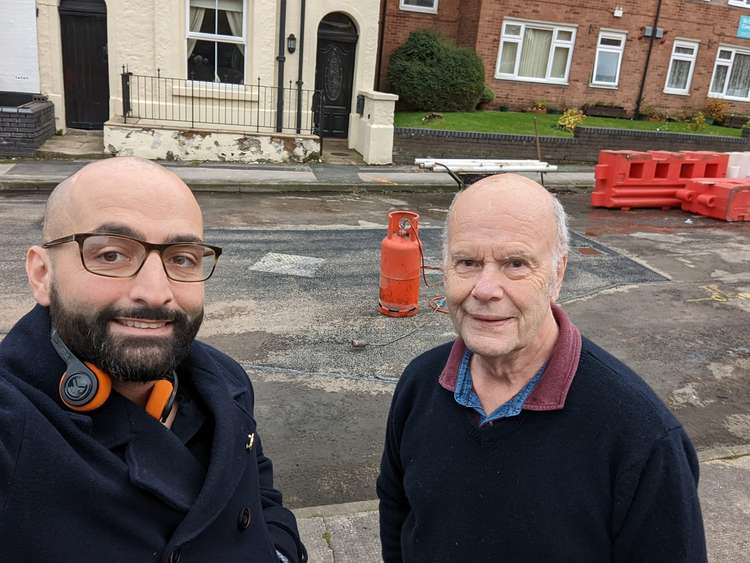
(519, 195)
(124, 181)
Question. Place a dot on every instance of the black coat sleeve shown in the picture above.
(657, 514)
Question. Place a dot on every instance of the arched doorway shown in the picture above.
(83, 30)
(334, 73)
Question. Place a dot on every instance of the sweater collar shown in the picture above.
(552, 390)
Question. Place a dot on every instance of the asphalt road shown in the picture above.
(666, 292)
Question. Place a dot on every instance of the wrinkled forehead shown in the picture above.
(524, 216)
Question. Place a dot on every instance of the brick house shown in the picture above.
(671, 55)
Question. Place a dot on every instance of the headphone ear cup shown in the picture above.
(160, 400)
(86, 389)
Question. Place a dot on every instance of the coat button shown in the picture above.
(243, 522)
(175, 556)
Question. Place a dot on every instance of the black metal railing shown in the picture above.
(249, 107)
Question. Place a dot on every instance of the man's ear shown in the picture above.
(562, 265)
(39, 273)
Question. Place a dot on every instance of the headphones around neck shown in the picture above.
(84, 387)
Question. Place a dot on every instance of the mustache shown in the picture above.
(145, 313)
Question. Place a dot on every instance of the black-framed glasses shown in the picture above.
(119, 256)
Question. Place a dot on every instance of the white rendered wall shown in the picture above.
(371, 134)
(173, 143)
(19, 64)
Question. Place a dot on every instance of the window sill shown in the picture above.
(604, 86)
(419, 10)
(216, 91)
(531, 80)
(676, 92)
(728, 98)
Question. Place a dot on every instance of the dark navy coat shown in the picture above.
(65, 496)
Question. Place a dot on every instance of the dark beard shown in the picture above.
(124, 358)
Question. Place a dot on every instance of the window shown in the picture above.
(535, 52)
(429, 6)
(743, 3)
(681, 67)
(731, 77)
(608, 59)
(216, 40)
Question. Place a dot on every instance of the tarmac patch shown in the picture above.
(288, 265)
(738, 424)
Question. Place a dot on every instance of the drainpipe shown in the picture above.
(381, 33)
(299, 65)
(648, 58)
(281, 58)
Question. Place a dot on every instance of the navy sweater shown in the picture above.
(610, 477)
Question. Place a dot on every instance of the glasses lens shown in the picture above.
(189, 262)
(112, 256)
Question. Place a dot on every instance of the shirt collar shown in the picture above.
(552, 390)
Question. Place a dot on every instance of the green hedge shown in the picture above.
(429, 73)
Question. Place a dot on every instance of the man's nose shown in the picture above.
(489, 284)
(152, 286)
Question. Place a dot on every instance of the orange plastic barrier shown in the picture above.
(724, 198)
(628, 179)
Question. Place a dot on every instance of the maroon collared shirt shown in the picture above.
(551, 391)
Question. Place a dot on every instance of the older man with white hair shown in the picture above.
(522, 441)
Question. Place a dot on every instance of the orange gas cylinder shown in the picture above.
(400, 263)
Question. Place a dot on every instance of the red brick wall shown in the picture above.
(400, 23)
(478, 23)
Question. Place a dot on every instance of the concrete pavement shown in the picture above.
(43, 175)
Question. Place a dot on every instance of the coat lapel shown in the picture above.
(228, 453)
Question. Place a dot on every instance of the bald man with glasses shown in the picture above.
(122, 438)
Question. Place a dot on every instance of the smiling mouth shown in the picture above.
(490, 319)
(141, 324)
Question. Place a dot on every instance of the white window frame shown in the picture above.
(728, 63)
(555, 28)
(684, 43)
(740, 3)
(423, 9)
(216, 37)
(621, 36)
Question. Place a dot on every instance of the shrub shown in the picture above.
(488, 95)
(571, 119)
(539, 106)
(698, 122)
(654, 114)
(430, 73)
(716, 110)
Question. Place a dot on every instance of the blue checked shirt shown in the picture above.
(465, 395)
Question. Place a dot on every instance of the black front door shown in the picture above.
(83, 27)
(334, 72)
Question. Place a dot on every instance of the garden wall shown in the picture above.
(583, 147)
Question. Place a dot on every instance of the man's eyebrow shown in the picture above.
(118, 229)
(124, 230)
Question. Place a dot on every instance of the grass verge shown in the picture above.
(522, 123)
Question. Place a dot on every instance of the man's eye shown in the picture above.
(112, 256)
(184, 260)
(515, 263)
(466, 263)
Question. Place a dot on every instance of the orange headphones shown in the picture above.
(84, 387)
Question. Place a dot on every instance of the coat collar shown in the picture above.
(27, 356)
(552, 390)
